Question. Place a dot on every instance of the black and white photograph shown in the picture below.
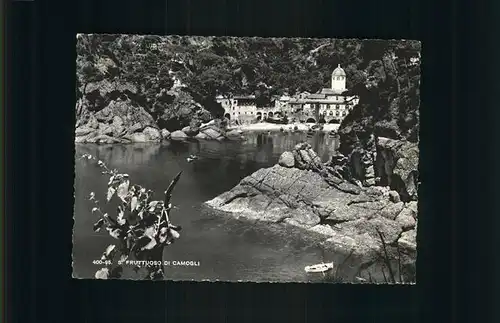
(246, 159)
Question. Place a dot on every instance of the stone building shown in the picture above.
(241, 107)
(244, 109)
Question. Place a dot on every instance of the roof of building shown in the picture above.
(339, 71)
(297, 101)
(316, 96)
(244, 97)
(328, 91)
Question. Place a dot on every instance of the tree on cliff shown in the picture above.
(208, 66)
(389, 92)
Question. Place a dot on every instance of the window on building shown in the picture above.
(338, 107)
(337, 113)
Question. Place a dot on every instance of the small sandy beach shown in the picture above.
(264, 126)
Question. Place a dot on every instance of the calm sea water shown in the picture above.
(227, 249)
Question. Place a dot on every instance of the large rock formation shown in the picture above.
(119, 122)
(396, 164)
(346, 218)
(114, 112)
(384, 162)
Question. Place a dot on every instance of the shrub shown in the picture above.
(142, 227)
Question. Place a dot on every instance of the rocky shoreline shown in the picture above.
(324, 199)
(113, 131)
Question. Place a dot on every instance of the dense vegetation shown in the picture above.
(208, 66)
(389, 95)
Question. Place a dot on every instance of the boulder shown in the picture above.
(190, 131)
(165, 134)
(413, 206)
(233, 134)
(406, 218)
(202, 136)
(286, 159)
(82, 131)
(103, 139)
(370, 182)
(138, 137)
(211, 133)
(136, 127)
(392, 210)
(394, 197)
(118, 129)
(105, 129)
(178, 135)
(152, 134)
(93, 123)
(117, 120)
(81, 139)
(408, 240)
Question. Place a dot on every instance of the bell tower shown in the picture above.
(338, 79)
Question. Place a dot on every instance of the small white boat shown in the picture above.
(319, 268)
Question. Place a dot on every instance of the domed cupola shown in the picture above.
(339, 71)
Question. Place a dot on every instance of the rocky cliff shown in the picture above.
(346, 218)
(379, 138)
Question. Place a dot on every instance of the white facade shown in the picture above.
(242, 108)
(331, 104)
